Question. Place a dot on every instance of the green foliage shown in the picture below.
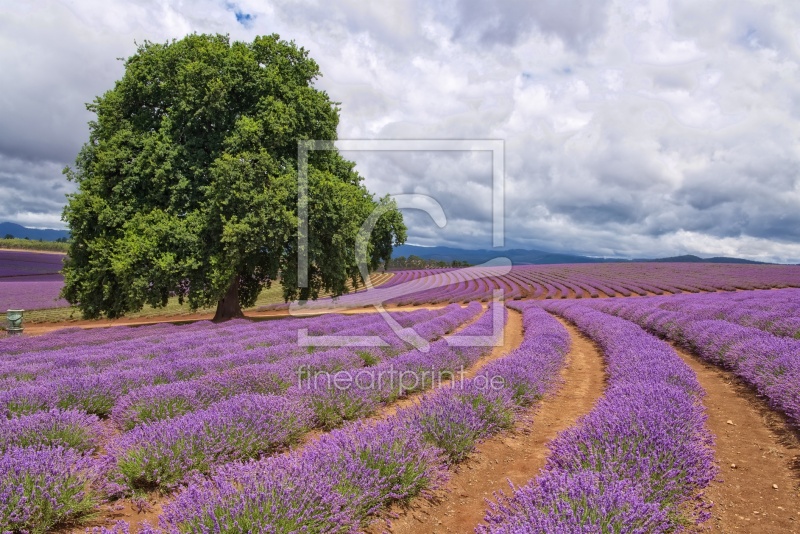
(152, 410)
(72, 436)
(96, 401)
(188, 184)
(332, 407)
(415, 262)
(369, 358)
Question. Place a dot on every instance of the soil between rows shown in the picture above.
(515, 456)
(37, 329)
(764, 448)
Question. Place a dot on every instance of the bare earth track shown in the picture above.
(764, 449)
(37, 329)
(516, 456)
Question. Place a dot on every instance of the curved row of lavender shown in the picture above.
(94, 377)
(636, 462)
(163, 453)
(768, 361)
(343, 480)
(416, 287)
(49, 468)
(776, 312)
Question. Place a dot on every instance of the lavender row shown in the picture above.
(572, 281)
(163, 401)
(457, 419)
(47, 475)
(161, 454)
(203, 338)
(776, 312)
(71, 429)
(41, 487)
(339, 482)
(769, 363)
(98, 393)
(637, 462)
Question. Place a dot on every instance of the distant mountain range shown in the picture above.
(448, 254)
(21, 232)
(538, 257)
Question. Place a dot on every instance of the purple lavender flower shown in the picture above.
(164, 453)
(636, 462)
(577, 502)
(43, 487)
(71, 429)
(333, 485)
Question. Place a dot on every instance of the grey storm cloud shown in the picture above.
(575, 22)
(631, 127)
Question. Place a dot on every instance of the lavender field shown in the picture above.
(19, 263)
(416, 287)
(164, 403)
(239, 427)
(30, 294)
(30, 280)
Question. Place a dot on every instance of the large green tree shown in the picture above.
(188, 184)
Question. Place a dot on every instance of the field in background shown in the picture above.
(568, 281)
(28, 244)
(32, 281)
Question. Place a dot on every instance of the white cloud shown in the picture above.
(632, 127)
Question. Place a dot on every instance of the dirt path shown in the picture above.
(764, 450)
(512, 339)
(517, 456)
(36, 329)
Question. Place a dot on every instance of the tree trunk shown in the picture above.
(228, 306)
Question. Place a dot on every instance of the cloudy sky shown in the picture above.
(631, 128)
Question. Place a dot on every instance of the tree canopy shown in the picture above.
(188, 183)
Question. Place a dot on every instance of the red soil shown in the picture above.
(756, 447)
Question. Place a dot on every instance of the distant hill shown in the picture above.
(21, 232)
(690, 258)
(517, 256)
(447, 254)
(535, 257)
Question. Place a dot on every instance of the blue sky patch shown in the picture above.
(245, 19)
